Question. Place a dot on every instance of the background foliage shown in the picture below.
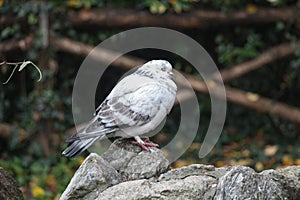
(39, 114)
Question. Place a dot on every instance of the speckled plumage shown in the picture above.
(135, 106)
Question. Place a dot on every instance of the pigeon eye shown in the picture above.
(163, 69)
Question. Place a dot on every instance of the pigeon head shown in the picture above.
(158, 69)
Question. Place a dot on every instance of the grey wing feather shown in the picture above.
(112, 114)
(118, 112)
(76, 147)
(132, 109)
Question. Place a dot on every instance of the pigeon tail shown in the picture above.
(76, 147)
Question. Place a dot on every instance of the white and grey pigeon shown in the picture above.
(135, 106)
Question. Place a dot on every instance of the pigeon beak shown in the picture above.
(172, 75)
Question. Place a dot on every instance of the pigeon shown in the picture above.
(135, 106)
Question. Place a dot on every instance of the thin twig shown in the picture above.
(22, 66)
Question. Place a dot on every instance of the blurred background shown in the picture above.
(255, 45)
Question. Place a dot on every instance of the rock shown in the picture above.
(191, 187)
(127, 172)
(9, 188)
(292, 172)
(134, 163)
(244, 183)
(121, 162)
(289, 179)
(194, 169)
(191, 182)
(93, 176)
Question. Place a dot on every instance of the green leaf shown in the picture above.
(32, 19)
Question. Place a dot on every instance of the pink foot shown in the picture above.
(144, 144)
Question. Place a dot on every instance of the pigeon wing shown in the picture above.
(130, 109)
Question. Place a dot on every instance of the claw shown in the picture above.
(144, 144)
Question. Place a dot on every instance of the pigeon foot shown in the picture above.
(144, 144)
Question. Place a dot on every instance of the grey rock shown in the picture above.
(291, 172)
(92, 177)
(194, 169)
(244, 183)
(288, 178)
(9, 188)
(196, 181)
(191, 187)
(134, 163)
(127, 172)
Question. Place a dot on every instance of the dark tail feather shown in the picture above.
(76, 147)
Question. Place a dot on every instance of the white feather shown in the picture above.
(135, 106)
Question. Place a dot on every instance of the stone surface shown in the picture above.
(191, 182)
(127, 172)
(244, 183)
(134, 163)
(9, 188)
(92, 177)
(291, 172)
(194, 169)
(121, 162)
(191, 187)
(289, 179)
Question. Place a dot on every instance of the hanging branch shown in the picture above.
(104, 55)
(247, 99)
(7, 129)
(250, 100)
(8, 20)
(266, 57)
(13, 44)
(199, 18)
